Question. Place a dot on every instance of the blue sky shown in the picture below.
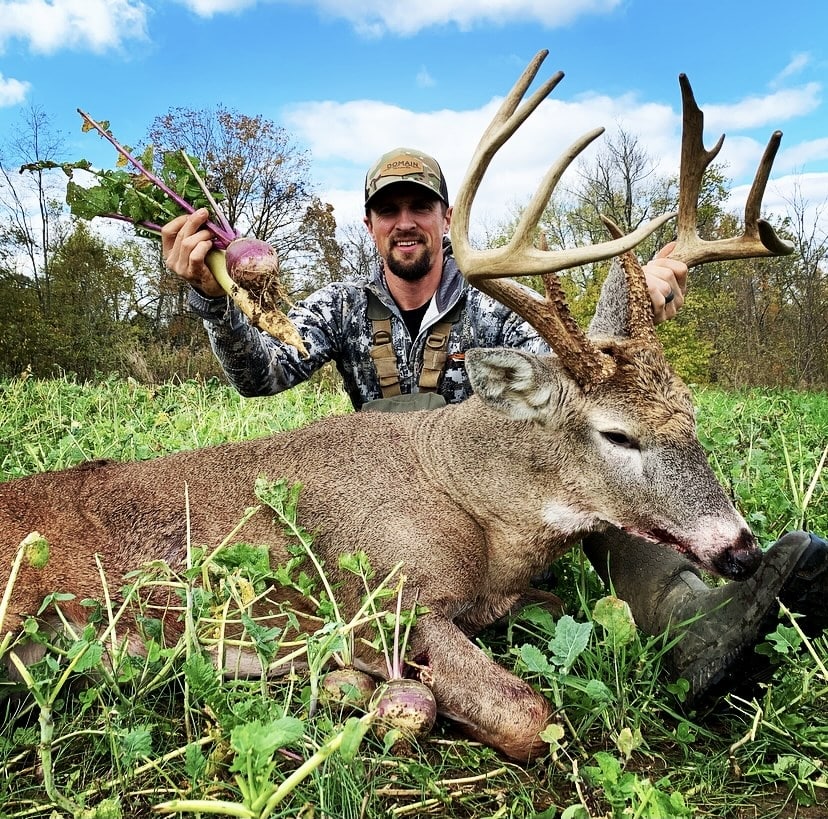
(350, 79)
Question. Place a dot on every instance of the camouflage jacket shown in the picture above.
(334, 324)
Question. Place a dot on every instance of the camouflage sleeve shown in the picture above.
(500, 327)
(257, 364)
(521, 335)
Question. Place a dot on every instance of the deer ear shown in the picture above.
(612, 313)
(511, 381)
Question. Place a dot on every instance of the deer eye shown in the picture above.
(620, 439)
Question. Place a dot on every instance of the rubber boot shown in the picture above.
(721, 625)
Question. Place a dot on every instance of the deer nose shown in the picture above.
(741, 560)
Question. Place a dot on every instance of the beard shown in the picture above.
(411, 270)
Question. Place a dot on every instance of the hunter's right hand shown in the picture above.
(184, 246)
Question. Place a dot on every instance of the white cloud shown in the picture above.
(805, 193)
(327, 128)
(796, 64)
(375, 18)
(48, 27)
(207, 8)
(12, 91)
(799, 156)
(771, 109)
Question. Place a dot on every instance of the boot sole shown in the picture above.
(742, 671)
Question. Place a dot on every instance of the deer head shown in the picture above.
(632, 415)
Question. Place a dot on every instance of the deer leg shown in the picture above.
(491, 704)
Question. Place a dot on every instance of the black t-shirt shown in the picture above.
(414, 318)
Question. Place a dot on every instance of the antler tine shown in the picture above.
(487, 269)
(504, 123)
(518, 257)
(759, 238)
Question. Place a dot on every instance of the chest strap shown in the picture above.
(385, 359)
(435, 351)
(434, 356)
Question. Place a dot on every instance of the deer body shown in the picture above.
(474, 499)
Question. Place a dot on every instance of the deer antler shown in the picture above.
(487, 269)
(759, 238)
(639, 304)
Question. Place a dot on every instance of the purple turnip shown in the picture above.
(248, 271)
(253, 264)
(407, 706)
(402, 705)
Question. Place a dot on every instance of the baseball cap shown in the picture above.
(405, 165)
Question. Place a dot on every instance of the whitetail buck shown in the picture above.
(476, 498)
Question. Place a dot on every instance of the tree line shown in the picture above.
(77, 298)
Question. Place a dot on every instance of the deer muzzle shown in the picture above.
(741, 560)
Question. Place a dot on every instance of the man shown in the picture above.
(398, 342)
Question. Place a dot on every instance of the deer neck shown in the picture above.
(490, 466)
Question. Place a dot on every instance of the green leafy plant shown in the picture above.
(629, 794)
(165, 727)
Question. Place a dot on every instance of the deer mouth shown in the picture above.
(657, 535)
(664, 538)
(737, 562)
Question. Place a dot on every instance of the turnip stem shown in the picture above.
(396, 660)
(219, 213)
(151, 177)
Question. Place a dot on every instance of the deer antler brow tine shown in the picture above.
(758, 238)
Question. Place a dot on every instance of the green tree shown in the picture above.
(323, 256)
(93, 281)
(89, 328)
(20, 321)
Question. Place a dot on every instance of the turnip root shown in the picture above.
(248, 271)
(407, 706)
(348, 688)
(253, 264)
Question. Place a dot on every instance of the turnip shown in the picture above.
(246, 269)
(405, 709)
(348, 688)
(406, 706)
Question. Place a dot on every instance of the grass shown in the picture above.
(165, 730)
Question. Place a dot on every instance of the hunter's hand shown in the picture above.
(185, 245)
(667, 283)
